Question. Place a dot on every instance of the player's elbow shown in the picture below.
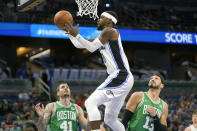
(77, 46)
(91, 49)
(84, 126)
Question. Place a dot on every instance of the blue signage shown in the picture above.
(158, 36)
(129, 35)
(14, 29)
(46, 31)
(51, 31)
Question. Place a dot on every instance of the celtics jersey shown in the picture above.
(64, 118)
(141, 119)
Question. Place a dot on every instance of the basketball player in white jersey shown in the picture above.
(193, 127)
(114, 89)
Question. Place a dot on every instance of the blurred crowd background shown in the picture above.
(151, 14)
(17, 113)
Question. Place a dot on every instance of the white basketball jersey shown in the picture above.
(193, 128)
(114, 57)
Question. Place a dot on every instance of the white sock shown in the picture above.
(96, 130)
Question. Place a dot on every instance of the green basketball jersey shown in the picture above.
(141, 119)
(64, 118)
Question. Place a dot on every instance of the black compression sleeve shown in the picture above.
(158, 126)
(126, 117)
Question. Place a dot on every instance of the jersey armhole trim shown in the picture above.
(54, 106)
(142, 101)
(77, 112)
(163, 103)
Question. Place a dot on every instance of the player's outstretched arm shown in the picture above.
(82, 120)
(75, 42)
(44, 119)
(131, 106)
(90, 46)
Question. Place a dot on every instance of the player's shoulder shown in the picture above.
(51, 104)
(138, 94)
(134, 100)
(165, 104)
(110, 32)
(50, 107)
(188, 128)
(165, 107)
(109, 29)
(78, 107)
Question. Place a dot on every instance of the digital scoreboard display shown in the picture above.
(129, 35)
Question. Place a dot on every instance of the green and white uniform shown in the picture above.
(141, 119)
(64, 118)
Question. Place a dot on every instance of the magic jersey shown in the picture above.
(114, 57)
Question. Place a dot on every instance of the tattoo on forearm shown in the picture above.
(43, 122)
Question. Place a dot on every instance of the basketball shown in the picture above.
(62, 17)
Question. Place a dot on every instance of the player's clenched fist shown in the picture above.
(151, 110)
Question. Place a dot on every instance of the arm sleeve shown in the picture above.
(90, 46)
(158, 126)
(126, 117)
(75, 42)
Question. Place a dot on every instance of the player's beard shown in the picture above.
(100, 27)
(195, 121)
(153, 85)
(65, 96)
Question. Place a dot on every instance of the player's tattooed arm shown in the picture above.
(108, 34)
(82, 120)
(134, 101)
(43, 121)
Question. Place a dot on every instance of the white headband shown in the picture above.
(109, 16)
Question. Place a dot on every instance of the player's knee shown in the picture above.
(112, 121)
(89, 103)
(86, 103)
(109, 119)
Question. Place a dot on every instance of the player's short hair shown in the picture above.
(194, 112)
(160, 76)
(113, 14)
(61, 82)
